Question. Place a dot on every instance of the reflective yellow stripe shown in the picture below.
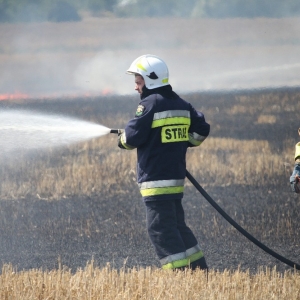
(173, 257)
(160, 187)
(195, 256)
(161, 183)
(162, 191)
(196, 139)
(297, 151)
(176, 264)
(192, 250)
(197, 136)
(123, 142)
(171, 113)
(165, 80)
(193, 141)
(140, 66)
(171, 121)
(183, 262)
(182, 259)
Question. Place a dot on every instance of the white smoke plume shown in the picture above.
(91, 57)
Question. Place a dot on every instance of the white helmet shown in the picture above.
(153, 69)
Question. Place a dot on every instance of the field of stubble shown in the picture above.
(71, 205)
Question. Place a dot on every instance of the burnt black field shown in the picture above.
(70, 232)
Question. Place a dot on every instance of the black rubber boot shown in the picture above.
(200, 264)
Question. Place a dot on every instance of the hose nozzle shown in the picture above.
(117, 131)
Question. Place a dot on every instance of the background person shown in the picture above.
(163, 128)
(295, 177)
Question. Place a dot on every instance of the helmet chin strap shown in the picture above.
(145, 92)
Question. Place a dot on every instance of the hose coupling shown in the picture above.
(116, 131)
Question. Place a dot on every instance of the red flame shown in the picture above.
(14, 96)
(106, 92)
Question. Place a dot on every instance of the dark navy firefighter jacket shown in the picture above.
(163, 128)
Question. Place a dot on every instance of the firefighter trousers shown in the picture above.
(170, 235)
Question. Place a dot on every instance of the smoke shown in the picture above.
(92, 56)
(102, 74)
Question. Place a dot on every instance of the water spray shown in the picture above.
(28, 130)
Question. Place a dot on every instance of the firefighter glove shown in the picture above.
(296, 185)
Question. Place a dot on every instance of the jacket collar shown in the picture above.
(165, 91)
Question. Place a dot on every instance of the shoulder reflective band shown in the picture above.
(297, 151)
(161, 187)
(171, 117)
(196, 139)
(175, 133)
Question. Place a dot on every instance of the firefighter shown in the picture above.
(163, 128)
(295, 177)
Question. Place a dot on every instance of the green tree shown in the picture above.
(26, 10)
(104, 5)
(156, 8)
(246, 9)
(39, 10)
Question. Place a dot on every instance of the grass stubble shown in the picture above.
(147, 283)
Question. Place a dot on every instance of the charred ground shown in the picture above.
(37, 233)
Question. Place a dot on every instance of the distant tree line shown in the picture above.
(51, 10)
(69, 10)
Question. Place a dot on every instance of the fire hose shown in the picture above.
(231, 221)
(238, 227)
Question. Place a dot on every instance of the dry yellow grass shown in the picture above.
(232, 161)
(266, 119)
(106, 283)
(99, 166)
